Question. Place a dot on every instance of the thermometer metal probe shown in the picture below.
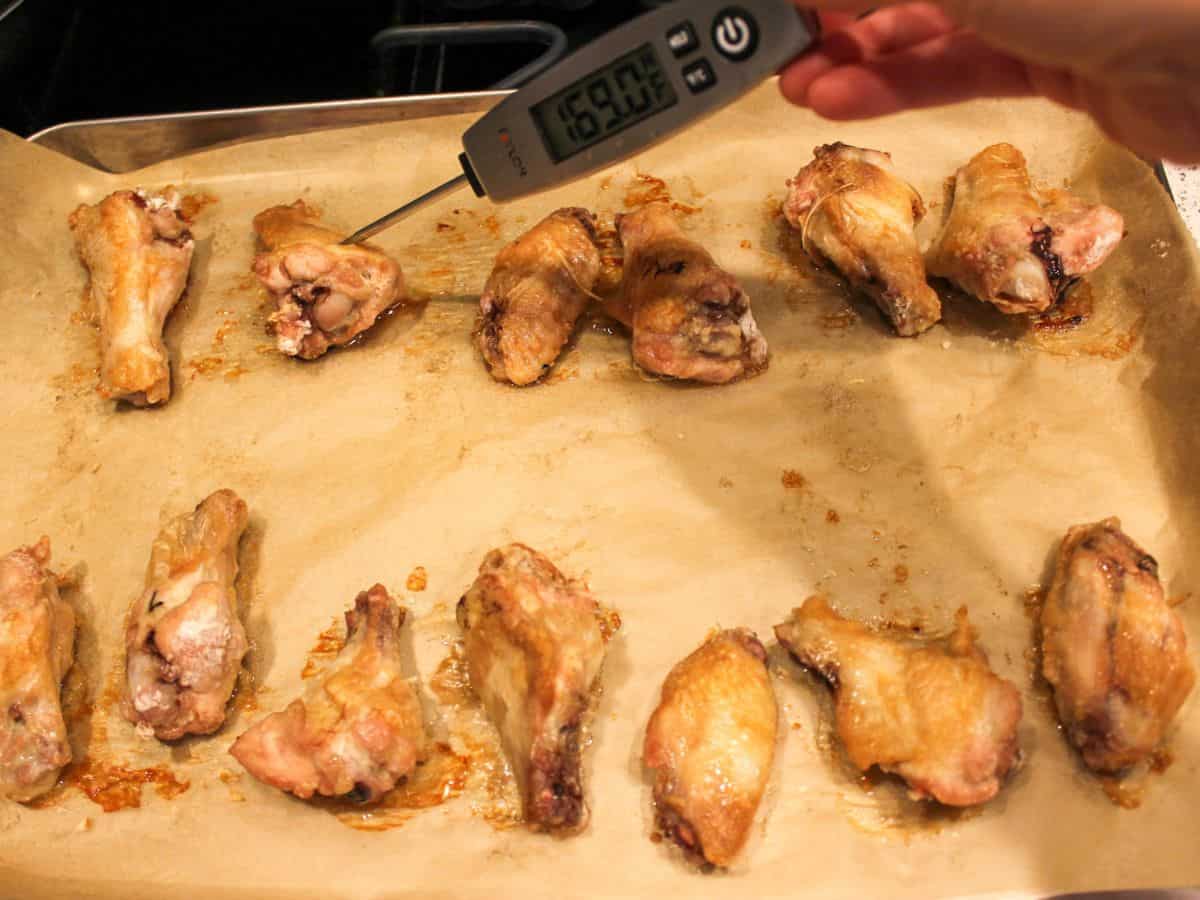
(625, 91)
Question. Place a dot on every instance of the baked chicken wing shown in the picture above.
(184, 642)
(853, 211)
(534, 647)
(326, 294)
(356, 732)
(1012, 246)
(710, 744)
(933, 713)
(1113, 650)
(689, 317)
(37, 647)
(138, 249)
(538, 289)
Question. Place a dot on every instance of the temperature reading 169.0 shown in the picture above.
(623, 93)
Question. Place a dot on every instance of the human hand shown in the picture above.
(1135, 67)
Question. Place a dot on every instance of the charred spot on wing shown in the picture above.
(717, 311)
(1041, 247)
(490, 329)
(656, 268)
(1148, 564)
(308, 291)
(1093, 731)
(150, 646)
(155, 603)
(360, 793)
(586, 219)
(556, 792)
(681, 833)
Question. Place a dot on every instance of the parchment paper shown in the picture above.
(901, 477)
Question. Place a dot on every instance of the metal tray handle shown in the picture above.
(134, 142)
(386, 42)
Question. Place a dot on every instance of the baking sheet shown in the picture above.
(901, 477)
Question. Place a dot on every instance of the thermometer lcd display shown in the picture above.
(631, 88)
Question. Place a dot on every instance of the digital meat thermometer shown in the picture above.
(631, 88)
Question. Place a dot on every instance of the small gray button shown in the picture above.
(699, 76)
(682, 39)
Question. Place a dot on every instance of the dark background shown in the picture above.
(62, 60)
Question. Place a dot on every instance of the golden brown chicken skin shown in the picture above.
(1113, 650)
(538, 289)
(933, 713)
(184, 642)
(689, 317)
(710, 744)
(1013, 246)
(37, 648)
(534, 648)
(326, 294)
(854, 212)
(138, 250)
(358, 731)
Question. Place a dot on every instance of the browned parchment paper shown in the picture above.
(901, 477)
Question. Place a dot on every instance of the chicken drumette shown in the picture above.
(710, 743)
(358, 731)
(689, 317)
(37, 647)
(1012, 246)
(1113, 650)
(538, 289)
(184, 642)
(534, 648)
(933, 713)
(853, 211)
(138, 249)
(326, 294)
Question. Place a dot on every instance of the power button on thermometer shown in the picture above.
(735, 34)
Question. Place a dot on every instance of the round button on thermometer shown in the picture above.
(735, 34)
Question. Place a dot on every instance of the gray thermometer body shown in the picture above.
(629, 89)
(623, 92)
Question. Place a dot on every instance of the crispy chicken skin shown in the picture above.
(537, 291)
(356, 732)
(689, 317)
(184, 642)
(1113, 650)
(37, 648)
(138, 249)
(534, 649)
(326, 294)
(934, 713)
(854, 212)
(710, 744)
(1012, 246)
